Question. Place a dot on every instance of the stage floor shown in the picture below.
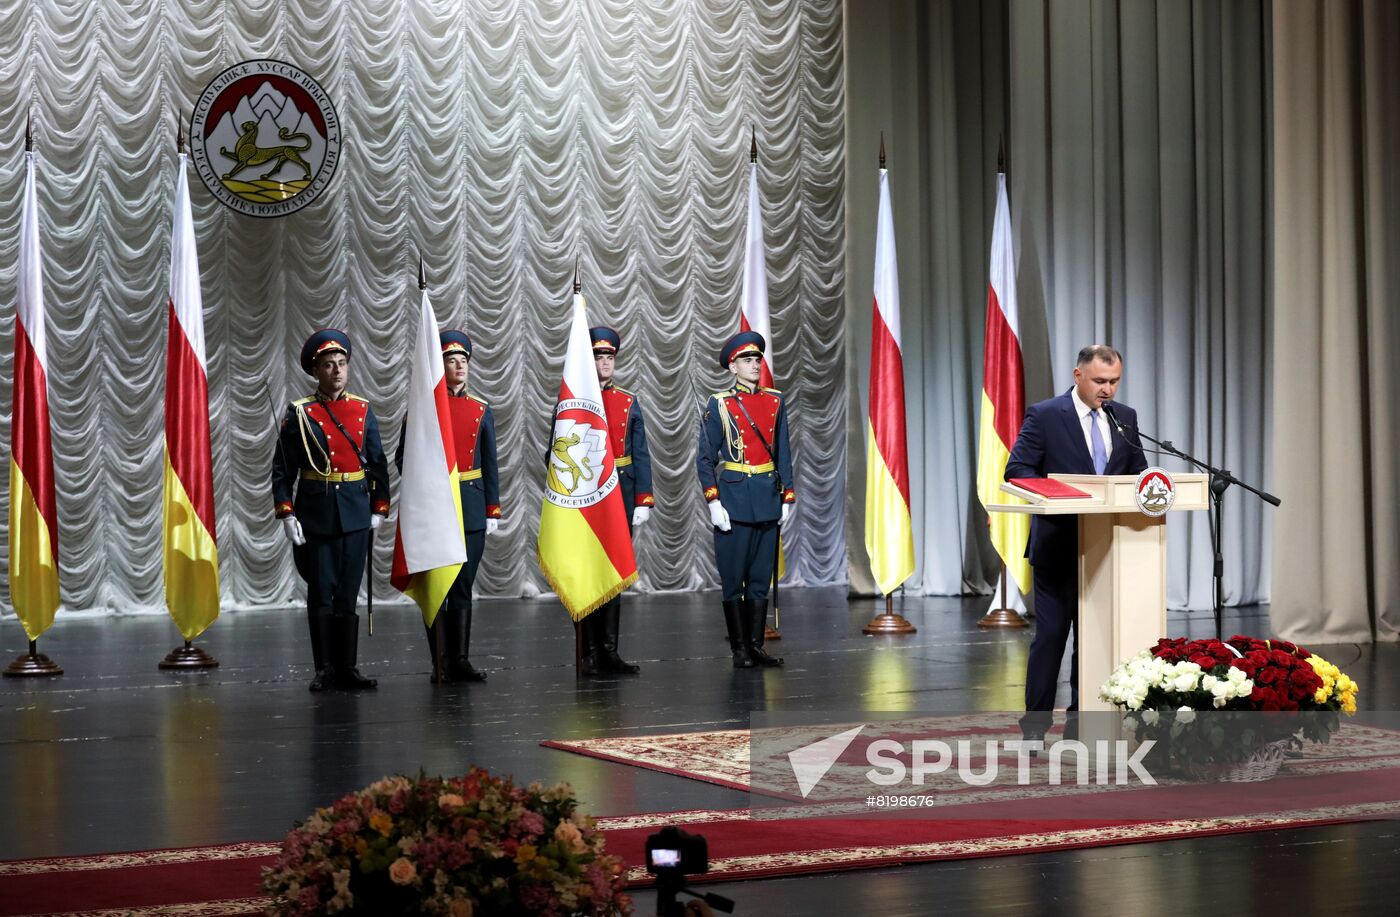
(115, 755)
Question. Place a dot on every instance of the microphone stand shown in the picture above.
(1220, 480)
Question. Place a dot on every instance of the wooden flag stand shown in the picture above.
(1003, 617)
(33, 664)
(889, 622)
(187, 657)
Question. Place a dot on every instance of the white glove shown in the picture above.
(291, 526)
(787, 511)
(640, 514)
(719, 516)
(375, 521)
(493, 526)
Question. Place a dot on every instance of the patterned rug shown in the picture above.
(730, 758)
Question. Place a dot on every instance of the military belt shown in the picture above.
(623, 461)
(747, 469)
(335, 477)
(472, 475)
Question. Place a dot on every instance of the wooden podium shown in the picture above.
(1122, 567)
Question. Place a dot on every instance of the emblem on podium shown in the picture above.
(1155, 492)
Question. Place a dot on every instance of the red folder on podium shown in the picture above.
(1049, 488)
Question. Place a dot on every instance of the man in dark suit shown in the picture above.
(1067, 434)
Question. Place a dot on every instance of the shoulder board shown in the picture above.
(723, 395)
(300, 401)
(479, 401)
(623, 391)
(771, 391)
(351, 397)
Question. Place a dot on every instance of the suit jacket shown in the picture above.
(1051, 441)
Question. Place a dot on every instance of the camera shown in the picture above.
(674, 850)
(673, 854)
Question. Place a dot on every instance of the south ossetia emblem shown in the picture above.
(580, 473)
(1155, 492)
(265, 138)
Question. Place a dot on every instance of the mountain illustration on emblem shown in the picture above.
(266, 149)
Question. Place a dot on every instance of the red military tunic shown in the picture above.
(618, 406)
(351, 411)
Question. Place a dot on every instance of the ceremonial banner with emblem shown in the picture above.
(1003, 397)
(33, 507)
(889, 530)
(190, 545)
(585, 548)
(429, 548)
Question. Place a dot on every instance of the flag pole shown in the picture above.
(578, 625)
(33, 663)
(770, 631)
(889, 622)
(186, 657)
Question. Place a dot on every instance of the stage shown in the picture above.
(117, 756)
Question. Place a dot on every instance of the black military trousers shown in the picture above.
(460, 595)
(333, 567)
(745, 556)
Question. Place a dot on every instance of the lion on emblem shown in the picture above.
(562, 445)
(246, 151)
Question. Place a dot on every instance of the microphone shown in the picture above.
(1117, 425)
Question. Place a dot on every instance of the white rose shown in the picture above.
(1151, 717)
(1208, 682)
(1185, 681)
(1185, 715)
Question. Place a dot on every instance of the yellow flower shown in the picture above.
(381, 822)
(451, 801)
(524, 854)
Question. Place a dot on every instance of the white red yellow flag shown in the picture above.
(1003, 397)
(753, 304)
(429, 547)
(889, 529)
(584, 548)
(190, 543)
(33, 507)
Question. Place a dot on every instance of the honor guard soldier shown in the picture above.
(633, 462)
(745, 470)
(328, 452)
(474, 438)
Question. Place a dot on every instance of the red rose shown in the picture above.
(1205, 662)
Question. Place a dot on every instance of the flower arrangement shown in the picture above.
(1259, 692)
(456, 846)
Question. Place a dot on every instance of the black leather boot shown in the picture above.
(323, 639)
(757, 613)
(459, 641)
(348, 643)
(318, 658)
(440, 658)
(591, 663)
(736, 625)
(609, 626)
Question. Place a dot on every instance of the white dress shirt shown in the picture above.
(1084, 421)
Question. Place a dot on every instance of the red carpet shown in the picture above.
(224, 880)
(1358, 779)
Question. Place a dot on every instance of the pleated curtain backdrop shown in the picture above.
(1337, 330)
(500, 139)
(1137, 150)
